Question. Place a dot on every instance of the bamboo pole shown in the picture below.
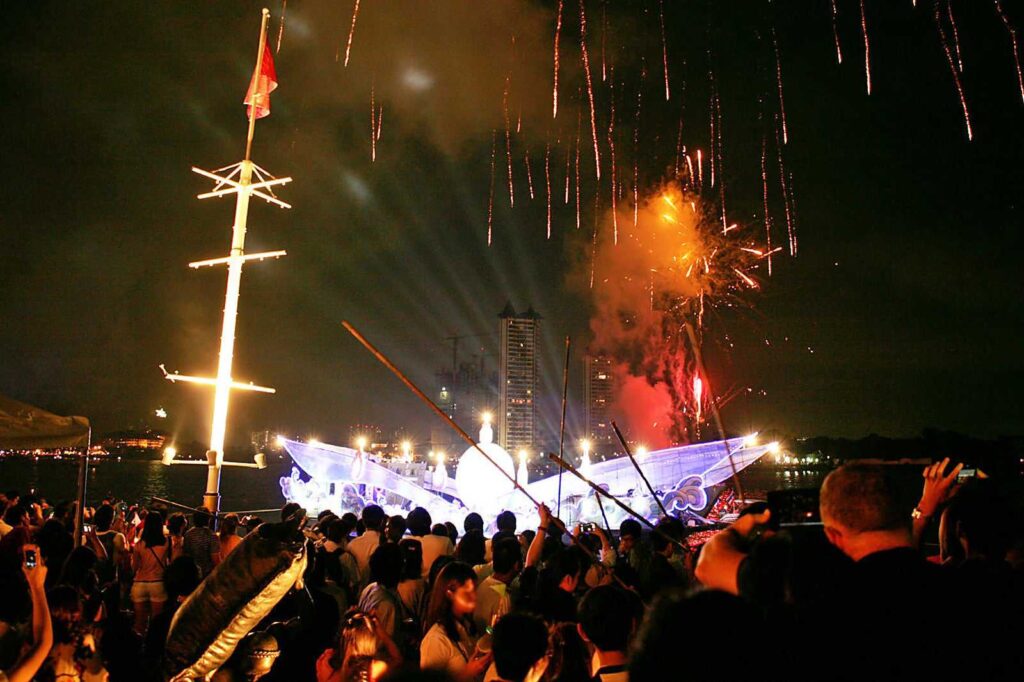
(601, 491)
(559, 524)
(714, 407)
(636, 465)
(561, 427)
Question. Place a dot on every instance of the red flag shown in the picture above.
(264, 81)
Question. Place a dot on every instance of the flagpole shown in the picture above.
(256, 74)
(235, 179)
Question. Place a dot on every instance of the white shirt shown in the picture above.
(362, 547)
(433, 547)
(439, 652)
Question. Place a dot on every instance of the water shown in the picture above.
(241, 489)
(139, 480)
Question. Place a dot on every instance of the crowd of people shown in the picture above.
(876, 590)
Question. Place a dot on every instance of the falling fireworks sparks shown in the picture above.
(554, 89)
(787, 197)
(956, 35)
(590, 87)
(953, 70)
(568, 172)
(867, 45)
(547, 182)
(611, 148)
(490, 202)
(778, 79)
(711, 123)
(529, 172)
(636, 158)
(508, 141)
(664, 44)
(280, 27)
(577, 172)
(835, 32)
(604, 39)
(764, 199)
(351, 32)
(1013, 40)
(373, 126)
(698, 397)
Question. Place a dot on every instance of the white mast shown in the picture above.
(235, 179)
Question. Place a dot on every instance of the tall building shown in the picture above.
(517, 378)
(598, 394)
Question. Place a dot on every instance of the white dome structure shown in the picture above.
(481, 486)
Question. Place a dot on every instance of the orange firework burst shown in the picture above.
(661, 275)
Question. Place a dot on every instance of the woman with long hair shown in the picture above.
(411, 586)
(449, 639)
(228, 535)
(176, 526)
(355, 658)
(149, 559)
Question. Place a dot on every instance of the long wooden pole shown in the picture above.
(601, 491)
(561, 427)
(699, 357)
(559, 524)
(83, 485)
(636, 465)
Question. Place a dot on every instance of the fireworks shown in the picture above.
(953, 70)
(659, 277)
(547, 183)
(1013, 40)
(664, 44)
(867, 45)
(611, 147)
(956, 35)
(490, 202)
(508, 142)
(590, 88)
(787, 196)
(280, 28)
(529, 172)
(778, 78)
(554, 89)
(835, 32)
(351, 32)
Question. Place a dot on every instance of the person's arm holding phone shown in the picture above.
(42, 628)
(938, 487)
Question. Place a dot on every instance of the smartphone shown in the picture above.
(30, 558)
(798, 506)
(965, 474)
(587, 527)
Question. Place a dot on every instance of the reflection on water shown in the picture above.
(133, 480)
(765, 478)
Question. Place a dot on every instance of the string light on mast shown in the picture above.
(244, 179)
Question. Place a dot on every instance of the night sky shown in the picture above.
(906, 286)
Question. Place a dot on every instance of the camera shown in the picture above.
(794, 507)
(30, 558)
